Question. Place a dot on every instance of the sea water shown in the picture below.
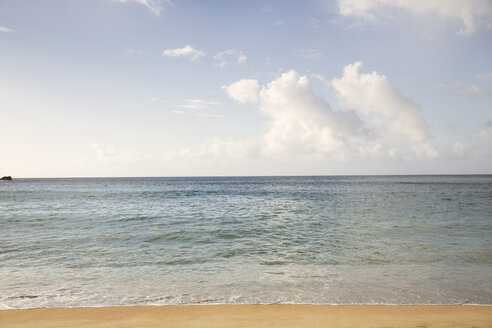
(334, 240)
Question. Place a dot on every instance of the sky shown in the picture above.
(95, 88)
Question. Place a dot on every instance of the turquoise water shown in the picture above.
(336, 240)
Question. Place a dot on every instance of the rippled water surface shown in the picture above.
(342, 240)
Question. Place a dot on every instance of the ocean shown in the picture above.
(242, 240)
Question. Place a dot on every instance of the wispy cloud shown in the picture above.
(309, 53)
(132, 52)
(198, 103)
(109, 154)
(314, 24)
(201, 114)
(6, 29)
(155, 6)
(186, 51)
(159, 100)
(469, 91)
(472, 91)
(266, 9)
(208, 115)
(459, 149)
(226, 56)
(321, 78)
(484, 76)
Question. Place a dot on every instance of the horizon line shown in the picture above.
(253, 176)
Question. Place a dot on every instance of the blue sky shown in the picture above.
(182, 87)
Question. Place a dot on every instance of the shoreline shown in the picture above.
(257, 315)
(246, 304)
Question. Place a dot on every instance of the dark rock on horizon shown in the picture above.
(8, 177)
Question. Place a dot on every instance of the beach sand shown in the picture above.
(254, 316)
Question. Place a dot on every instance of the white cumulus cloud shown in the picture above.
(300, 121)
(243, 91)
(186, 51)
(303, 122)
(472, 14)
(376, 122)
(373, 95)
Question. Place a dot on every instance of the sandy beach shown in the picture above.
(252, 316)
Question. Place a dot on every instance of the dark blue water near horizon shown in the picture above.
(202, 240)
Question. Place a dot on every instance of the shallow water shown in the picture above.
(337, 240)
